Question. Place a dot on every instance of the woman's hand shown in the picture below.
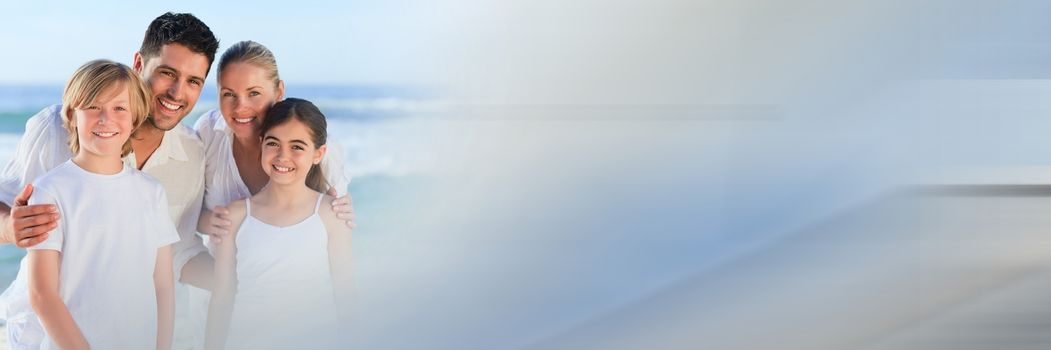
(344, 208)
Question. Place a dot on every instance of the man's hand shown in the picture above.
(28, 225)
(344, 208)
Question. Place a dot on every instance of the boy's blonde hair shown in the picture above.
(93, 79)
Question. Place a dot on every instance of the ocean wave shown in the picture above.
(379, 149)
(370, 149)
(388, 105)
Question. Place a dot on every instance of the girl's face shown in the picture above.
(289, 152)
(104, 125)
(245, 95)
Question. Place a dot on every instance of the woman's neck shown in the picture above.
(97, 164)
(249, 143)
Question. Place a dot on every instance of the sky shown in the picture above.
(315, 42)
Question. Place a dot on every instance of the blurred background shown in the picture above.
(802, 174)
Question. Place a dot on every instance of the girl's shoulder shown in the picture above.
(333, 224)
(327, 214)
(325, 206)
(239, 206)
(238, 211)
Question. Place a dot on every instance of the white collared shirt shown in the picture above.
(178, 164)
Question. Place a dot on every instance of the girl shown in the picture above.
(103, 277)
(278, 277)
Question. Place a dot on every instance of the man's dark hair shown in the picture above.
(179, 28)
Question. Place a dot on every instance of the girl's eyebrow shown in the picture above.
(292, 141)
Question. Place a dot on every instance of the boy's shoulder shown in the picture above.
(56, 176)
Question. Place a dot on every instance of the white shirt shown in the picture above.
(111, 228)
(224, 183)
(178, 164)
(284, 285)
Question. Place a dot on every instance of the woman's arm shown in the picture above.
(339, 261)
(225, 283)
(46, 302)
(163, 282)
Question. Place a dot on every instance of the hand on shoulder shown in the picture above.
(331, 215)
(236, 212)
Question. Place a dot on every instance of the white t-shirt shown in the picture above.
(178, 164)
(111, 228)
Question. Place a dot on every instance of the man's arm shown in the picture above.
(26, 225)
(41, 148)
(199, 271)
(191, 261)
(214, 223)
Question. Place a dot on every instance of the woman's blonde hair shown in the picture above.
(253, 53)
(90, 82)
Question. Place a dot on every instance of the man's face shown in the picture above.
(176, 77)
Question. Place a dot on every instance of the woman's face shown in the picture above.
(245, 95)
(105, 124)
(289, 152)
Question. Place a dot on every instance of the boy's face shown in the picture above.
(176, 77)
(104, 125)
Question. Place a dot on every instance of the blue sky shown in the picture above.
(315, 42)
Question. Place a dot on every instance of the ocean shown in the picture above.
(368, 121)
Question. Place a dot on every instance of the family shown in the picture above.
(119, 205)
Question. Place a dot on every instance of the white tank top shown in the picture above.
(284, 287)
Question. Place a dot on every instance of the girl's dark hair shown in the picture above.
(306, 113)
